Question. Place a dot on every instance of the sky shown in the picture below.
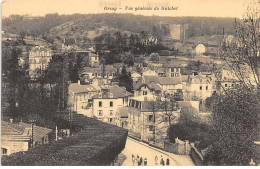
(211, 8)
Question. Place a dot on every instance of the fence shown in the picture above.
(196, 156)
(179, 147)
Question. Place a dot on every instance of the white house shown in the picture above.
(199, 86)
(107, 103)
(80, 96)
(170, 85)
(200, 49)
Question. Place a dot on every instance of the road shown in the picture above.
(135, 148)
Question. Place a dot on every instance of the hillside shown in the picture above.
(90, 25)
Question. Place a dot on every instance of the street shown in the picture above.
(135, 148)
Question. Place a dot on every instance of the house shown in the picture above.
(106, 104)
(200, 49)
(173, 70)
(80, 96)
(93, 59)
(170, 85)
(16, 137)
(89, 73)
(141, 118)
(39, 59)
(122, 117)
(199, 87)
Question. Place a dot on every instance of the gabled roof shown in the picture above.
(38, 132)
(170, 80)
(148, 79)
(151, 86)
(11, 129)
(117, 92)
(21, 131)
(78, 88)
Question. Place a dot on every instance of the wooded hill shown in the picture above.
(89, 25)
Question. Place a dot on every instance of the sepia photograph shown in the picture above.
(130, 83)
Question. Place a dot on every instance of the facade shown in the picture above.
(106, 104)
(16, 137)
(171, 85)
(39, 59)
(173, 71)
(141, 119)
(142, 89)
(93, 59)
(199, 87)
(80, 96)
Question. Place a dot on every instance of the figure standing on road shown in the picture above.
(133, 159)
(162, 161)
(156, 160)
(141, 161)
(167, 162)
(145, 161)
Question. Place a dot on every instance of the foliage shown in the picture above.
(98, 146)
(125, 80)
(236, 118)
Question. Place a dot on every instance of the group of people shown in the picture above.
(143, 161)
(139, 160)
(162, 162)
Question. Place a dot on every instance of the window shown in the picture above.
(207, 88)
(144, 92)
(151, 128)
(172, 69)
(150, 118)
(200, 87)
(111, 104)
(176, 74)
(100, 113)
(225, 85)
(232, 85)
(4, 151)
(111, 112)
(100, 104)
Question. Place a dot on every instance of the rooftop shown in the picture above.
(78, 88)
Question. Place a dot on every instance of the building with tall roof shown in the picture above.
(39, 59)
(80, 96)
(106, 104)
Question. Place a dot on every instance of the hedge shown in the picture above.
(97, 143)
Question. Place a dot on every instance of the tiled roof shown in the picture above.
(11, 129)
(108, 69)
(78, 88)
(20, 131)
(117, 92)
(40, 49)
(170, 80)
(38, 132)
(148, 79)
(151, 86)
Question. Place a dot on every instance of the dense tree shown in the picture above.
(125, 80)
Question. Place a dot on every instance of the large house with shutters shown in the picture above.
(39, 59)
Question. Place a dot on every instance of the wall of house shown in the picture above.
(108, 113)
(171, 89)
(201, 90)
(14, 146)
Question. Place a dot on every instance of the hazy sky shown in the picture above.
(219, 8)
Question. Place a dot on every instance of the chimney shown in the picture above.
(11, 120)
(78, 81)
